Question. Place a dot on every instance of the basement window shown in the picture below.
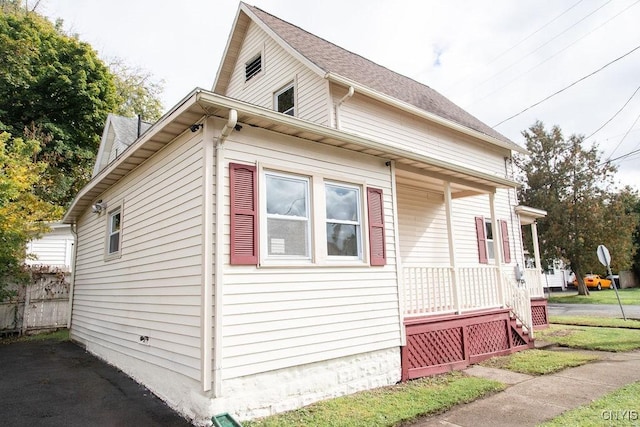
(253, 67)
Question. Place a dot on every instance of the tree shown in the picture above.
(574, 186)
(54, 87)
(23, 215)
(138, 94)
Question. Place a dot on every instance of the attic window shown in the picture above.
(253, 67)
(285, 100)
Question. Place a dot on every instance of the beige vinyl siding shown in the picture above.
(153, 289)
(375, 120)
(278, 317)
(423, 227)
(464, 212)
(278, 69)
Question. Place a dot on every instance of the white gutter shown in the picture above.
(206, 299)
(218, 252)
(339, 103)
(422, 113)
(306, 126)
(73, 272)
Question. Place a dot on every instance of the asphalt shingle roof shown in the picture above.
(334, 59)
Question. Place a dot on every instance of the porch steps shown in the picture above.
(520, 337)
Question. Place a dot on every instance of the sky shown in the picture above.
(569, 63)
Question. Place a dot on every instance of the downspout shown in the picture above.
(74, 232)
(218, 253)
(342, 101)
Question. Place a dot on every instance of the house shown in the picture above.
(53, 249)
(313, 226)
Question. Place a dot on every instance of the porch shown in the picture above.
(465, 296)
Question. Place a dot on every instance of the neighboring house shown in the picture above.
(315, 226)
(53, 249)
(119, 132)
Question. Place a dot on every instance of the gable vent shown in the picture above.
(253, 67)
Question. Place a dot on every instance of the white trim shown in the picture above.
(118, 209)
(285, 88)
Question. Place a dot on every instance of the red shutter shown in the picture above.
(506, 249)
(377, 249)
(244, 214)
(482, 240)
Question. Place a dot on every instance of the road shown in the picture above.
(596, 310)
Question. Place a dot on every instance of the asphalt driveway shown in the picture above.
(52, 383)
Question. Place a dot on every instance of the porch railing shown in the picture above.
(430, 290)
(533, 279)
(518, 299)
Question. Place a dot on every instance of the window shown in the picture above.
(489, 239)
(288, 225)
(114, 228)
(252, 67)
(287, 229)
(486, 235)
(343, 221)
(285, 100)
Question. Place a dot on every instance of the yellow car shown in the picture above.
(595, 281)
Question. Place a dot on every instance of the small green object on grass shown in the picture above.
(225, 420)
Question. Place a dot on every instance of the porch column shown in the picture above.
(497, 248)
(536, 246)
(452, 246)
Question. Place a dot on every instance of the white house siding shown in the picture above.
(375, 120)
(279, 69)
(423, 227)
(464, 212)
(54, 248)
(153, 289)
(275, 317)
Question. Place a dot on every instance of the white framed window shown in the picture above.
(252, 67)
(288, 218)
(343, 220)
(114, 233)
(488, 230)
(284, 100)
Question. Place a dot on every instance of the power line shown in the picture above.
(523, 40)
(567, 87)
(549, 58)
(613, 117)
(541, 46)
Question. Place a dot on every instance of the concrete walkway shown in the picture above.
(530, 400)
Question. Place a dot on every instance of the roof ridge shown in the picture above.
(337, 46)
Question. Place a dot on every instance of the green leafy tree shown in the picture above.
(23, 215)
(574, 186)
(138, 93)
(55, 87)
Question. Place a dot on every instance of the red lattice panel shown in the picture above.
(539, 315)
(435, 347)
(517, 339)
(488, 337)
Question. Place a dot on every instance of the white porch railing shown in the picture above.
(533, 279)
(430, 290)
(518, 299)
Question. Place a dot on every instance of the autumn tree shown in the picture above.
(54, 86)
(137, 91)
(23, 215)
(575, 187)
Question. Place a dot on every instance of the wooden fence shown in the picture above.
(40, 305)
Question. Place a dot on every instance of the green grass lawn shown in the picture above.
(387, 406)
(591, 338)
(629, 296)
(618, 408)
(59, 335)
(539, 362)
(595, 321)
